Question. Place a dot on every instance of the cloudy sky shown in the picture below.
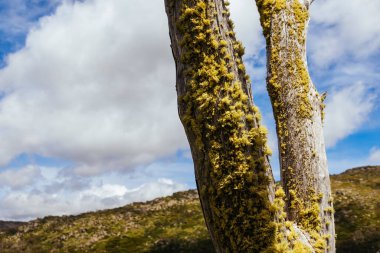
(88, 116)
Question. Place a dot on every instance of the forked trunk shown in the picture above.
(298, 110)
(242, 210)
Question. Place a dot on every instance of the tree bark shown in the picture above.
(243, 210)
(298, 110)
(228, 144)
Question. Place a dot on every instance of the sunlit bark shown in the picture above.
(243, 210)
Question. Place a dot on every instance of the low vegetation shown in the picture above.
(175, 224)
(357, 210)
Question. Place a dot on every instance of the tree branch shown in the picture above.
(308, 2)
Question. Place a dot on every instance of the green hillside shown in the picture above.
(175, 224)
(357, 210)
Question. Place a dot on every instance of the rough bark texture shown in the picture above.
(298, 110)
(242, 210)
(228, 144)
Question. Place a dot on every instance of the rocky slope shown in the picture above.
(175, 224)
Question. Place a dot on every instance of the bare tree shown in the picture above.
(243, 209)
(298, 110)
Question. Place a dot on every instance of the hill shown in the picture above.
(357, 210)
(10, 226)
(175, 224)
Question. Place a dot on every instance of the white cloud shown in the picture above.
(19, 178)
(95, 84)
(374, 157)
(60, 191)
(346, 111)
(45, 199)
(148, 191)
(343, 28)
(17, 16)
(106, 191)
(247, 25)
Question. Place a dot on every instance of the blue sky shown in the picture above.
(88, 116)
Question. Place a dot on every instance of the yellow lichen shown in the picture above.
(224, 123)
(289, 86)
(226, 130)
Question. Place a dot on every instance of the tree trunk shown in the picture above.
(228, 144)
(242, 210)
(298, 110)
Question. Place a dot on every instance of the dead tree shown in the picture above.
(298, 110)
(243, 209)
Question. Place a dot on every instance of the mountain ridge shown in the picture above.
(175, 223)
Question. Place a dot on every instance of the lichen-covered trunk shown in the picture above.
(298, 110)
(242, 210)
(228, 144)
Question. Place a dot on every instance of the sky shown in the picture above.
(88, 116)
